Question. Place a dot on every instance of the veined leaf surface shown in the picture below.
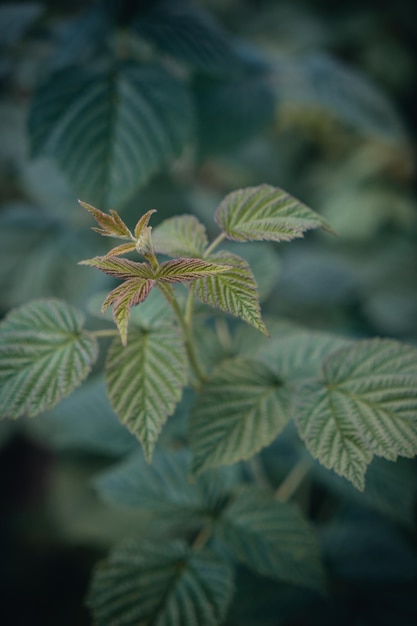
(44, 355)
(145, 380)
(184, 270)
(233, 291)
(363, 404)
(241, 409)
(165, 585)
(272, 538)
(180, 236)
(111, 128)
(265, 213)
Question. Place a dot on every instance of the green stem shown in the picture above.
(189, 344)
(214, 244)
(108, 332)
(202, 537)
(189, 308)
(293, 480)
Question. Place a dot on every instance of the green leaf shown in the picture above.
(111, 127)
(165, 584)
(242, 408)
(180, 236)
(234, 291)
(263, 261)
(265, 213)
(363, 404)
(184, 270)
(187, 33)
(16, 18)
(85, 422)
(120, 268)
(127, 295)
(145, 381)
(44, 355)
(271, 538)
(110, 225)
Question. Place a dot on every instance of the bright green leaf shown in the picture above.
(145, 380)
(363, 404)
(242, 408)
(180, 236)
(272, 538)
(44, 355)
(265, 213)
(165, 584)
(184, 270)
(234, 291)
(111, 127)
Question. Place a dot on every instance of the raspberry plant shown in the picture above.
(350, 400)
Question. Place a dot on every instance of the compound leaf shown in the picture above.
(242, 408)
(145, 380)
(165, 585)
(265, 213)
(234, 291)
(111, 225)
(180, 236)
(363, 404)
(111, 127)
(44, 355)
(183, 270)
(272, 538)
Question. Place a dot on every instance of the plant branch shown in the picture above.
(202, 537)
(214, 244)
(293, 480)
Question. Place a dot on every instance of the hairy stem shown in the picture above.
(186, 329)
(293, 480)
(214, 244)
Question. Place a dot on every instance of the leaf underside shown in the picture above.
(363, 404)
(44, 355)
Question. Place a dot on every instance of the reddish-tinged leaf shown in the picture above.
(130, 293)
(122, 249)
(120, 268)
(143, 223)
(183, 270)
(111, 225)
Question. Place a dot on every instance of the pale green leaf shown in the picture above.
(234, 291)
(180, 236)
(272, 538)
(242, 408)
(265, 213)
(127, 295)
(145, 380)
(111, 127)
(120, 268)
(183, 270)
(44, 355)
(363, 404)
(163, 584)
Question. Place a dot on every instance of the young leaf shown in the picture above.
(127, 295)
(44, 355)
(165, 584)
(145, 381)
(122, 249)
(242, 408)
(111, 126)
(110, 225)
(184, 270)
(120, 268)
(233, 291)
(272, 538)
(265, 213)
(142, 223)
(364, 403)
(180, 236)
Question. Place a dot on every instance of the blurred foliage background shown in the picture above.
(170, 104)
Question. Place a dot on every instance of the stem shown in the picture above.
(202, 538)
(293, 480)
(258, 473)
(214, 244)
(108, 332)
(189, 344)
(189, 308)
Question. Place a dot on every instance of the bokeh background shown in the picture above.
(313, 96)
